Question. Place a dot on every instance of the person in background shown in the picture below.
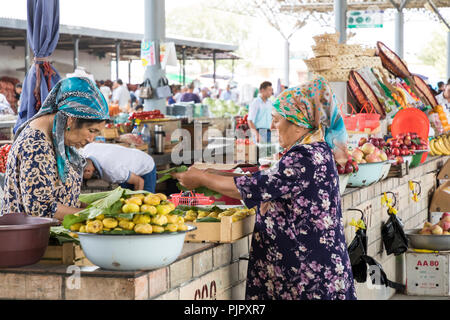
(17, 92)
(121, 96)
(5, 107)
(205, 93)
(139, 108)
(183, 90)
(129, 167)
(434, 92)
(106, 91)
(440, 86)
(134, 99)
(443, 98)
(190, 96)
(260, 114)
(226, 94)
(171, 100)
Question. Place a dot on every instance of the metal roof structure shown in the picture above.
(328, 5)
(101, 42)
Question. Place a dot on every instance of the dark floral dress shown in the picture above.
(32, 184)
(298, 245)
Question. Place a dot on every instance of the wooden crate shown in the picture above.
(110, 133)
(398, 171)
(68, 253)
(225, 231)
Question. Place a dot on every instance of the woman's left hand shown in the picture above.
(190, 179)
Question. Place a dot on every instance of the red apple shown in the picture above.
(357, 154)
(399, 160)
(340, 169)
(396, 152)
(348, 168)
(356, 167)
(383, 156)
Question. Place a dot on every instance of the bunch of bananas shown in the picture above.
(149, 214)
(236, 214)
(440, 146)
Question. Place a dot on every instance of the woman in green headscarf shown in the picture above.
(298, 246)
(44, 170)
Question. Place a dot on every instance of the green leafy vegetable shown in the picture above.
(91, 197)
(207, 219)
(167, 173)
(207, 192)
(61, 235)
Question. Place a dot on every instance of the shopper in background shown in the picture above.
(226, 94)
(121, 96)
(190, 96)
(106, 91)
(205, 93)
(443, 98)
(440, 86)
(260, 114)
(131, 168)
(5, 107)
(17, 92)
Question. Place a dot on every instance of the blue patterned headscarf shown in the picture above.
(76, 97)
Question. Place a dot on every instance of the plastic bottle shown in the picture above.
(136, 130)
(146, 137)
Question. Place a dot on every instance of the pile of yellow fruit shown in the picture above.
(151, 214)
(235, 213)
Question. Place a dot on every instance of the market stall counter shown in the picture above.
(218, 270)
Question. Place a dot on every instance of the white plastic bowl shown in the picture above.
(133, 252)
(343, 180)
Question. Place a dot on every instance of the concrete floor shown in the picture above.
(399, 296)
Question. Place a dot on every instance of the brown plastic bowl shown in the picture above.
(23, 239)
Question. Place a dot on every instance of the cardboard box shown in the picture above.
(440, 202)
(225, 231)
(68, 253)
(428, 274)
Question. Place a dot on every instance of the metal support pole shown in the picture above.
(340, 16)
(27, 55)
(232, 69)
(76, 43)
(184, 66)
(399, 34)
(286, 62)
(214, 66)
(117, 58)
(129, 71)
(154, 20)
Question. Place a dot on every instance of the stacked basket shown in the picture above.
(334, 61)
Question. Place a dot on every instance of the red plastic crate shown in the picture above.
(195, 199)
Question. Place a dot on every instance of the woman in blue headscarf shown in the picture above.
(44, 170)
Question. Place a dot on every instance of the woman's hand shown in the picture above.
(190, 179)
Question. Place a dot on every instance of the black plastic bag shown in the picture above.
(379, 277)
(394, 238)
(356, 250)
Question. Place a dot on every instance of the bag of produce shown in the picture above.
(393, 235)
(357, 249)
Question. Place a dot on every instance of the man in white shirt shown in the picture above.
(443, 98)
(121, 96)
(260, 113)
(5, 107)
(129, 167)
(106, 91)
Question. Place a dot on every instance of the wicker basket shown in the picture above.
(346, 61)
(319, 64)
(335, 75)
(327, 38)
(325, 50)
(354, 49)
(371, 62)
(367, 52)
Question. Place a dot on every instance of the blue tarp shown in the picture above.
(43, 35)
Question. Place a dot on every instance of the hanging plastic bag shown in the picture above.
(357, 249)
(379, 277)
(392, 233)
(146, 90)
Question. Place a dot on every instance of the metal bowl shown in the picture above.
(385, 170)
(23, 239)
(428, 241)
(133, 252)
(367, 174)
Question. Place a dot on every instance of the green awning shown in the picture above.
(174, 77)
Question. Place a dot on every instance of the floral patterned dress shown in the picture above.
(298, 245)
(31, 179)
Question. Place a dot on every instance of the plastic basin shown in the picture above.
(417, 157)
(23, 239)
(133, 252)
(343, 180)
(367, 174)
